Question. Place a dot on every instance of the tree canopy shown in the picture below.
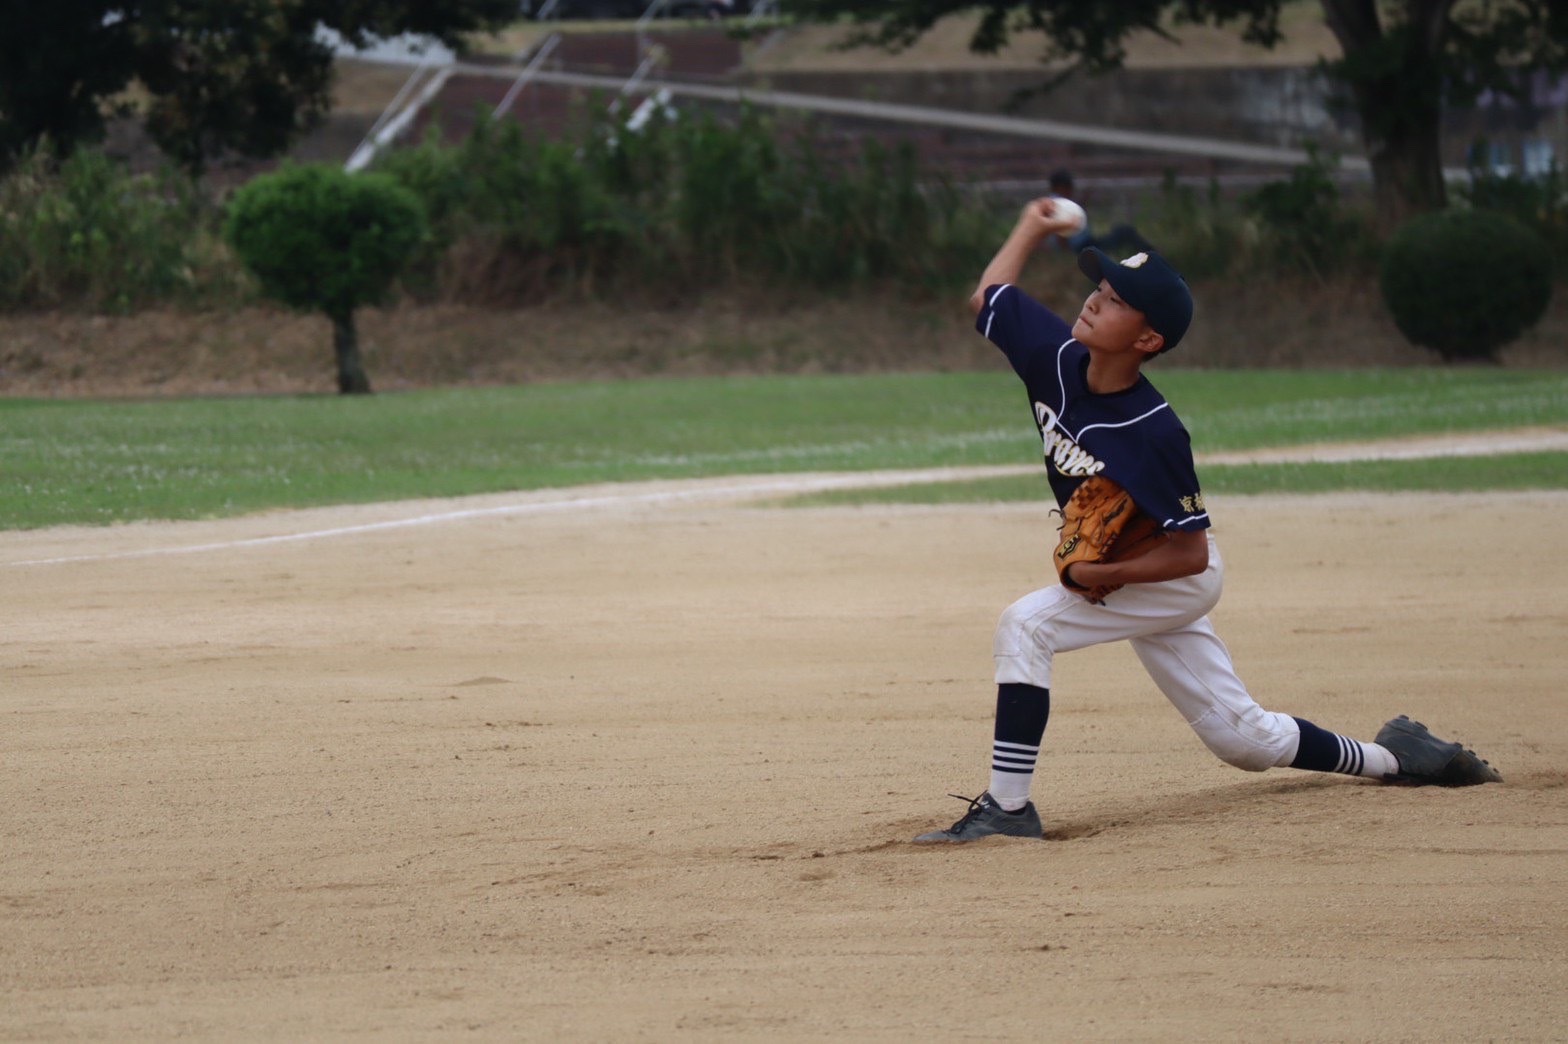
(1400, 61)
(320, 239)
(247, 76)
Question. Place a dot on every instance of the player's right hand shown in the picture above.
(1052, 219)
(1039, 213)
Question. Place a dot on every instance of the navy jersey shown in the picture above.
(1132, 436)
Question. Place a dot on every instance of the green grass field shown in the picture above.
(107, 461)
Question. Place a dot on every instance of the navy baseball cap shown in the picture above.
(1148, 283)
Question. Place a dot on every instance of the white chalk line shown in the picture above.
(777, 485)
(1476, 444)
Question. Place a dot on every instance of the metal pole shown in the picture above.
(549, 45)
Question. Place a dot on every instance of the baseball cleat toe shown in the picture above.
(1425, 760)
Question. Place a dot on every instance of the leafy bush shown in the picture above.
(1538, 203)
(1297, 226)
(688, 203)
(1465, 282)
(513, 217)
(321, 239)
(662, 214)
(1303, 225)
(1201, 235)
(84, 232)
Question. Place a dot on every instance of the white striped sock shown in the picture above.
(1012, 770)
(1365, 759)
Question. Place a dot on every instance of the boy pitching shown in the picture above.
(1098, 414)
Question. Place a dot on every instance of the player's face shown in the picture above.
(1107, 323)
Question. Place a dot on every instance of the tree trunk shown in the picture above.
(345, 345)
(1395, 77)
(1407, 164)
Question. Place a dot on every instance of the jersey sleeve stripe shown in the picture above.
(1169, 522)
(990, 310)
(1061, 381)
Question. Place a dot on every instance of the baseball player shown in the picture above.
(1098, 414)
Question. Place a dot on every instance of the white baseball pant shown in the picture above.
(1168, 627)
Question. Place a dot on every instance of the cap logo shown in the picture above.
(1135, 261)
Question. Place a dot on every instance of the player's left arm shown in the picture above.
(1183, 553)
(1166, 487)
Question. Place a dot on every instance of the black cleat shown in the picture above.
(984, 818)
(1425, 760)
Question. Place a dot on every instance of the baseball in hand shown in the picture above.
(1066, 210)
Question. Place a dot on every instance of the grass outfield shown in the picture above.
(99, 461)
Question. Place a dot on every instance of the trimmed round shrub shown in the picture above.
(320, 239)
(1464, 283)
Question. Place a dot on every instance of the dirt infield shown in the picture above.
(643, 763)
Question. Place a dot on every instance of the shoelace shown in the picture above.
(975, 808)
